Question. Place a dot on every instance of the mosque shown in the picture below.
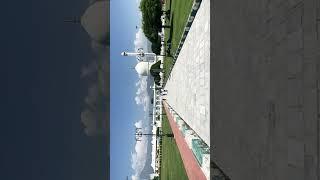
(95, 22)
(143, 68)
(148, 64)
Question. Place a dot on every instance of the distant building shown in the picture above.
(96, 22)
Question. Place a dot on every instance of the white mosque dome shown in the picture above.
(96, 22)
(142, 68)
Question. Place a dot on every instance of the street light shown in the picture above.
(159, 133)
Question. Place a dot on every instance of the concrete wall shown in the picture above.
(264, 96)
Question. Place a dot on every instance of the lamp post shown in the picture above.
(151, 114)
(139, 134)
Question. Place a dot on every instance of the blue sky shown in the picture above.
(124, 110)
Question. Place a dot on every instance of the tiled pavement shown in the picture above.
(188, 86)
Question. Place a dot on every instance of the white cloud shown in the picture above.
(141, 41)
(89, 69)
(92, 1)
(142, 96)
(93, 115)
(89, 119)
(138, 5)
(139, 156)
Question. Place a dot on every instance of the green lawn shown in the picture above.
(179, 13)
(167, 64)
(171, 162)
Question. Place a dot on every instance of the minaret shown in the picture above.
(139, 53)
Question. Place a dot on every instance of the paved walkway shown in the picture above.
(189, 161)
(188, 85)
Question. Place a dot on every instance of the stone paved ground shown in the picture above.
(265, 96)
(188, 85)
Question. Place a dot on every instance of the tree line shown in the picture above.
(151, 22)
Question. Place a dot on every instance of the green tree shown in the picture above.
(151, 18)
(156, 75)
